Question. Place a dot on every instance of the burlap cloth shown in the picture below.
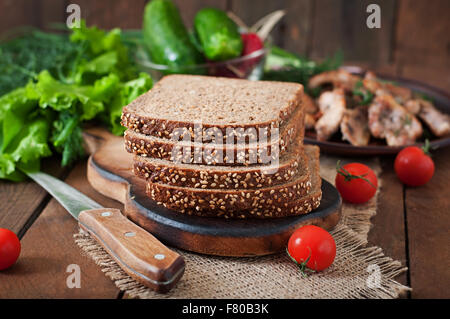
(358, 271)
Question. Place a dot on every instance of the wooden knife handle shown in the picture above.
(137, 252)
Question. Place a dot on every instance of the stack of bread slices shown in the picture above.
(221, 147)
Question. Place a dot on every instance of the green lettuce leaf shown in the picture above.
(83, 101)
(101, 65)
(128, 92)
(15, 108)
(26, 149)
(92, 80)
(100, 42)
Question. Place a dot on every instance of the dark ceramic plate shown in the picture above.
(335, 145)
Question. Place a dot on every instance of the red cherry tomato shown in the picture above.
(413, 166)
(9, 248)
(356, 182)
(313, 247)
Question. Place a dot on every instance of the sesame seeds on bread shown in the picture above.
(221, 147)
(181, 101)
(299, 196)
(221, 177)
(261, 152)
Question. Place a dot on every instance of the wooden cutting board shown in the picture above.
(110, 173)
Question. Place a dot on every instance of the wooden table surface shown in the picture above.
(411, 225)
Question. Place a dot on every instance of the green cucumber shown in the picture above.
(218, 35)
(167, 39)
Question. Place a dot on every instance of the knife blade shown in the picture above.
(135, 250)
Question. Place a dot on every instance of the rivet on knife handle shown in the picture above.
(137, 252)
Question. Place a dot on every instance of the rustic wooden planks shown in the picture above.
(423, 41)
(21, 203)
(423, 33)
(52, 11)
(48, 248)
(18, 13)
(428, 232)
(388, 230)
(342, 25)
(113, 14)
(297, 26)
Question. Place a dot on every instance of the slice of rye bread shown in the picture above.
(222, 177)
(182, 101)
(246, 153)
(292, 198)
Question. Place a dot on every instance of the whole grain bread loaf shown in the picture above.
(256, 153)
(221, 177)
(182, 101)
(298, 196)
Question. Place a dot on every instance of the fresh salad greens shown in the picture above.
(24, 57)
(55, 84)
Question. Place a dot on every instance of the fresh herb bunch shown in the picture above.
(85, 76)
(22, 58)
(285, 66)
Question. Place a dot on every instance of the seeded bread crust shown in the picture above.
(136, 119)
(289, 199)
(248, 154)
(214, 177)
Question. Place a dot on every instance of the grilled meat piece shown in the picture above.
(354, 126)
(311, 110)
(390, 120)
(338, 78)
(438, 122)
(372, 84)
(309, 104)
(310, 121)
(332, 106)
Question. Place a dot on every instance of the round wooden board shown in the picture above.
(110, 173)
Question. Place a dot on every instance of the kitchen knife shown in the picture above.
(137, 252)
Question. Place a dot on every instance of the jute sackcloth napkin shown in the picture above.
(358, 271)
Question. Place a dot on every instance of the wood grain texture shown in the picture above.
(48, 248)
(388, 230)
(341, 24)
(297, 26)
(113, 13)
(52, 11)
(21, 203)
(422, 42)
(137, 252)
(423, 33)
(438, 76)
(428, 222)
(18, 13)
